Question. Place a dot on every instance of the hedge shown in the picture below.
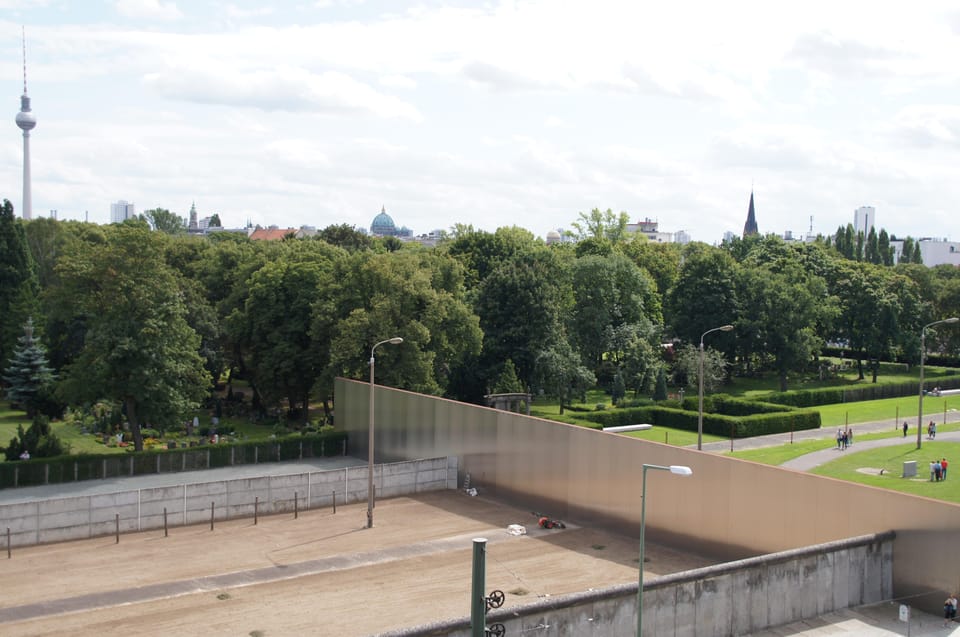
(96, 466)
(716, 424)
(832, 395)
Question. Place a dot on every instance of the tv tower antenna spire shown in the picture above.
(26, 121)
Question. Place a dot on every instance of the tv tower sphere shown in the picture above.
(26, 120)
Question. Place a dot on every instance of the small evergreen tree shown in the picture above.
(619, 388)
(28, 377)
(660, 392)
(508, 382)
(38, 441)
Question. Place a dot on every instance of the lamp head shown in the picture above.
(726, 328)
(396, 340)
(681, 470)
(952, 319)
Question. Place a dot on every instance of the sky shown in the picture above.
(525, 113)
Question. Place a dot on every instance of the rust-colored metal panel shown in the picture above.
(730, 508)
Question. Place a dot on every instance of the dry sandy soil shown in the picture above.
(321, 574)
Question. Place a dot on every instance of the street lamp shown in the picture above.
(679, 470)
(396, 340)
(722, 328)
(923, 353)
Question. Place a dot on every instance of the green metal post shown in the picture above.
(643, 515)
(478, 599)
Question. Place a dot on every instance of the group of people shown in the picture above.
(949, 609)
(844, 438)
(938, 470)
(932, 430)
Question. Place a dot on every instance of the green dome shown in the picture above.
(383, 224)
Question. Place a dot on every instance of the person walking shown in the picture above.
(943, 469)
(932, 470)
(937, 470)
(933, 430)
(905, 427)
(839, 438)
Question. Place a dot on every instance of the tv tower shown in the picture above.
(26, 120)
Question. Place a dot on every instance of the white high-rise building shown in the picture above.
(864, 218)
(121, 211)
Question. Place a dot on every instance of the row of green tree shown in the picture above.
(148, 319)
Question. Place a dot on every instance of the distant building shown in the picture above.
(273, 233)
(121, 211)
(750, 227)
(383, 226)
(932, 251)
(192, 226)
(651, 230)
(864, 218)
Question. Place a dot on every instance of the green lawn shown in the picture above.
(901, 409)
(863, 467)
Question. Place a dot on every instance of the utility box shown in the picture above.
(910, 469)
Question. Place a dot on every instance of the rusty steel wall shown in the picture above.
(729, 508)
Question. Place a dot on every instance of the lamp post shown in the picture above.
(396, 340)
(923, 354)
(679, 470)
(722, 328)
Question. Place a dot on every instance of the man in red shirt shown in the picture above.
(943, 469)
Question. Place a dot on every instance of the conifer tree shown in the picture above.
(18, 280)
(27, 375)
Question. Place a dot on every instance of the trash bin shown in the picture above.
(910, 469)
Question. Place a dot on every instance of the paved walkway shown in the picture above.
(817, 458)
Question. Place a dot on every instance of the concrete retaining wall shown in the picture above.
(727, 599)
(57, 520)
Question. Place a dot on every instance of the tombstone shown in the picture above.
(910, 469)
(171, 445)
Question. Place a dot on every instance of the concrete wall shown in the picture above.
(57, 520)
(729, 508)
(728, 599)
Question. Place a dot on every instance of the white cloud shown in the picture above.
(398, 81)
(233, 11)
(282, 88)
(148, 9)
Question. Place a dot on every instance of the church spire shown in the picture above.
(750, 227)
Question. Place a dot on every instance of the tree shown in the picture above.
(278, 314)
(507, 382)
(18, 281)
(686, 367)
(884, 248)
(215, 221)
(782, 313)
(660, 391)
(38, 441)
(28, 377)
(599, 224)
(137, 347)
(608, 292)
(346, 237)
(162, 220)
(522, 305)
(704, 295)
(559, 372)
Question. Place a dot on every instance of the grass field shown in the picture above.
(863, 467)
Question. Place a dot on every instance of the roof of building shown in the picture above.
(750, 227)
(271, 234)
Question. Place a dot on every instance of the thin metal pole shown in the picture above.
(334, 502)
(166, 533)
(256, 508)
(478, 599)
(296, 506)
(370, 448)
(8, 542)
(211, 516)
(923, 352)
(117, 521)
(700, 399)
(643, 514)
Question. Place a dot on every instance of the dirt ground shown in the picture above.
(321, 574)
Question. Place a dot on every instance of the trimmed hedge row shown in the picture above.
(96, 466)
(832, 395)
(716, 424)
(730, 406)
